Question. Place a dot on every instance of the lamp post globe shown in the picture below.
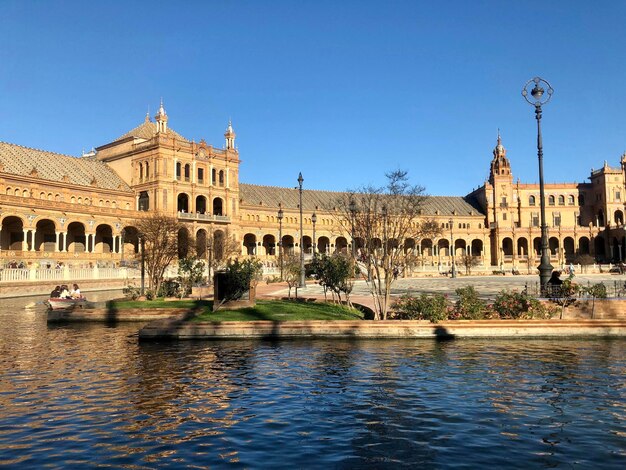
(540, 93)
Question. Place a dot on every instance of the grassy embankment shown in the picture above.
(272, 310)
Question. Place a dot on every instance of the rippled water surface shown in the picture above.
(92, 395)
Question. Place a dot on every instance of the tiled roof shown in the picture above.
(85, 171)
(147, 129)
(271, 196)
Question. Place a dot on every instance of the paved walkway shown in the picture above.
(486, 286)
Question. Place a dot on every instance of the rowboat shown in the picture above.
(65, 304)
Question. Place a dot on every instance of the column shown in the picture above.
(89, 247)
(56, 245)
(25, 240)
(227, 177)
(65, 242)
(32, 240)
(174, 173)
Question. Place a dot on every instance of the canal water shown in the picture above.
(91, 395)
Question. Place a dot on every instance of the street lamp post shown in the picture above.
(122, 235)
(538, 99)
(280, 240)
(314, 221)
(352, 209)
(452, 249)
(302, 281)
(142, 242)
(385, 233)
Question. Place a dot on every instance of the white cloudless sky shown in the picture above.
(340, 91)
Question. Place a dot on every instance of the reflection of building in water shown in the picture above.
(83, 209)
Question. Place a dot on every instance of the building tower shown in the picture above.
(161, 119)
(230, 136)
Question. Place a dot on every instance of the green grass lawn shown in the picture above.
(272, 310)
(283, 310)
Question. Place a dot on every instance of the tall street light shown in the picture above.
(142, 242)
(302, 282)
(314, 220)
(452, 249)
(537, 99)
(352, 209)
(280, 240)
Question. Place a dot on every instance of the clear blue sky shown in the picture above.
(342, 91)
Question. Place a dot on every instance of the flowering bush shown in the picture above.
(516, 305)
(425, 307)
(469, 306)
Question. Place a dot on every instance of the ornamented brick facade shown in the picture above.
(81, 210)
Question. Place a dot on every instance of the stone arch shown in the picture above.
(182, 203)
(569, 247)
(507, 246)
(323, 245)
(130, 240)
(249, 242)
(307, 244)
(522, 246)
(459, 247)
(269, 243)
(103, 242)
(537, 246)
(477, 247)
(583, 246)
(183, 242)
(553, 245)
(76, 238)
(12, 233)
(341, 245)
(219, 240)
(599, 247)
(288, 244)
(218, 206)
(618, 217)
(443, 247)
(45, 235)
(143, 201)
(201, 204)
(201, 243)
(409, 245)
(426, 247)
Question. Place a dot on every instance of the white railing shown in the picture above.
(66, 274)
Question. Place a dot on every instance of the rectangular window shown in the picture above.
(618, 196)
(200, 175)
(556, 218)
(535, 219)
(504, 216)
(165, 199)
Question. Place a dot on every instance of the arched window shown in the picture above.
(187, 172)
(570, 200)
(140, 172)
(551, 200)
(144, 201)
(531, 201)
(221, 176)
(178, 167)
(213, 176)
(561, 200)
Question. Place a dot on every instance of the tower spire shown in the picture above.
(161, 119)
(230, 135)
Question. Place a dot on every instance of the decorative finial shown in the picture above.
(499, 138)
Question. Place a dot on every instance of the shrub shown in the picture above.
(515, 305)
(425, 307)
(238, 276)
(131, 292)
(469, 306)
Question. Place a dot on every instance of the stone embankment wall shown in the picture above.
(127, 315)
(385, 329)
(23, 289)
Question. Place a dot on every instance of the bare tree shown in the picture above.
(161, 245)
(221, 247)
(382, 221)
(469, 262)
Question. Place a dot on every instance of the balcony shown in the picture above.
(198, 216)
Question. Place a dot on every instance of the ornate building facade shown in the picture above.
(81, 210)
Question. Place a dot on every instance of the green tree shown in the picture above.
(239, 277)
(191, 272)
